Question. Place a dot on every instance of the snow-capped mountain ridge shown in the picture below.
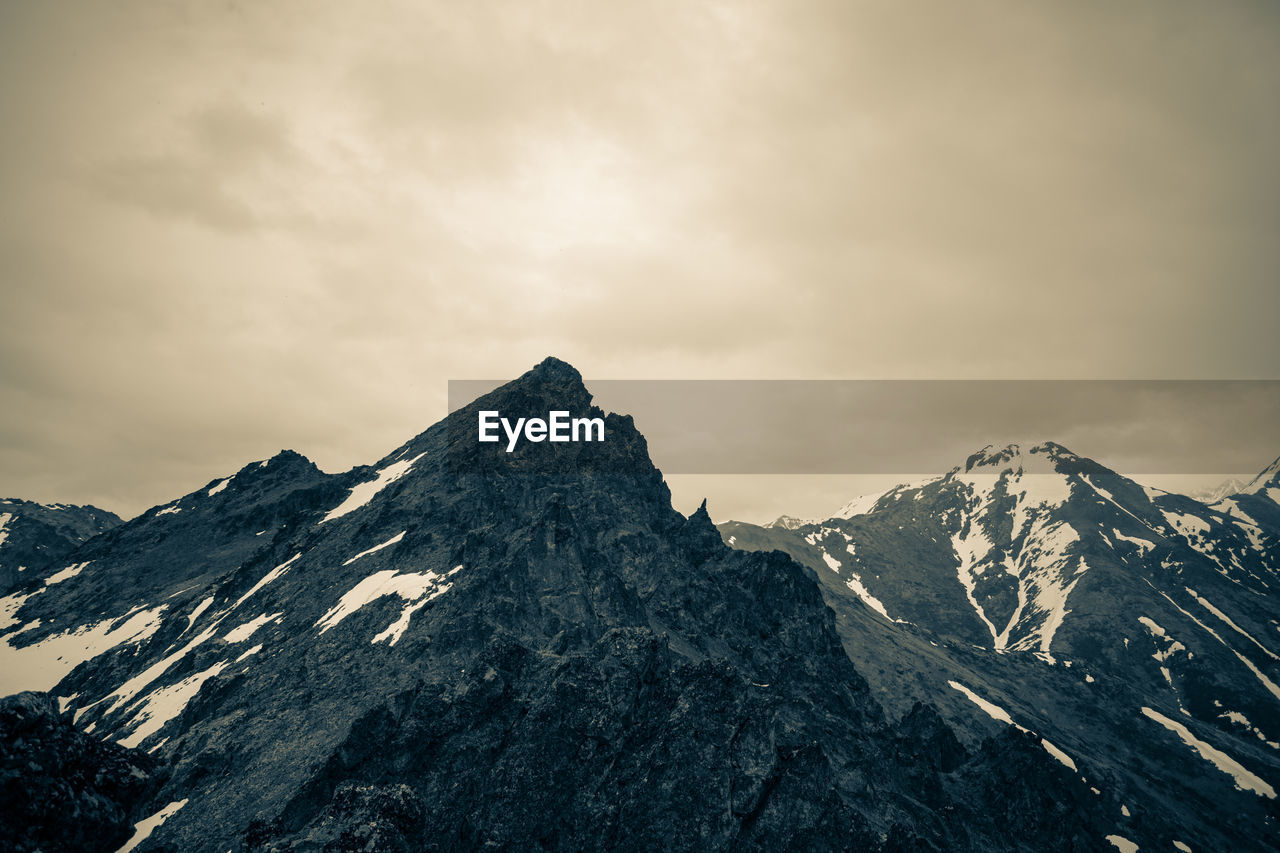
(1046, 457)
(1021, 528)
(1081, 572)
(1268, 478)
(789, 522)
(1225, 489)
(441, 650)
(1020, 548)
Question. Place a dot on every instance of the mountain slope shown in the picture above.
(461, 647)
(1073, 598)
(36, 539)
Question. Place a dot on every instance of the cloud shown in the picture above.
(214, 174)
(231, 228)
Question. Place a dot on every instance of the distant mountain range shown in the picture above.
(37, 538)
(460, 648)
(1134, 628)
(1225, 489)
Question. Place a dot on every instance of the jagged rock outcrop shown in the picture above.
(60, 789)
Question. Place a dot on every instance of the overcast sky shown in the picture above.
(231, 228)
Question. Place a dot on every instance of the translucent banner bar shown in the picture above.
(914, 426)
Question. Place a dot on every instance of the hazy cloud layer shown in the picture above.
(229, 228)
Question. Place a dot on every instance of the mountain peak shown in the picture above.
(789, 522)
(1054, 451)
(551, 383)
(285, 460)
(1268, 477)
(1007, 457)
(610, 443)
(553, 369)
(1045, 458)
(1225, 489)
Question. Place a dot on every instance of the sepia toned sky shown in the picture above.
(228, 228)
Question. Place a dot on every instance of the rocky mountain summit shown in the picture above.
(459, 647)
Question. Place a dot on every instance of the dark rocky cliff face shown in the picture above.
(61, 789)
(460, 648)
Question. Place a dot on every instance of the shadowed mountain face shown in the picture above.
(61, 789)
(1134, 628)
(460, 647)
(36, 539)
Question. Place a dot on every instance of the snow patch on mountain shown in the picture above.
(249, 653)
(393, 540)
(41, 666)
(1244, 780)
(165, 703)
(1241, 720)
(1151, 495)
(1253, 532)
(195, 614)
(1192, 527)
(66, 574)
(417, 589)
(1227, 620)
(243, 632)
(1122, 844)
(1265, 482)
(266, 579)
(855, 583)
(971, 548)
(361, 494)
(126, 692)
(1000, 715)
(1144, 545)
(142, 829)
(393, 632)
(1257, 673)
(11, 604)
(1162, 655)
(860, 505)
(1049, 583)
(992, 710)
(1037, 493)
(1230, 507)
(1063, 759)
